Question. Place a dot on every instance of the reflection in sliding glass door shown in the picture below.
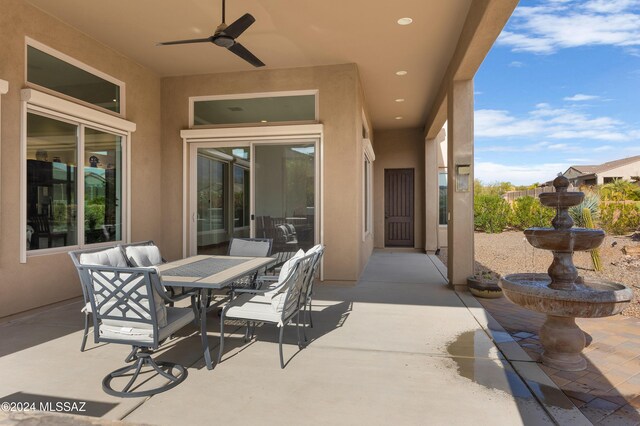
(222, 197)
(284, 188)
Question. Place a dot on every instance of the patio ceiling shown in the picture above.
(290, 33)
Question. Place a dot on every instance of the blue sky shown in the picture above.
(561, 86)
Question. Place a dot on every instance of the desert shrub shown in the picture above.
(592, 202)
(620, 190)
(94, 216)
(619, 217)
(491, 213)
(528, 213)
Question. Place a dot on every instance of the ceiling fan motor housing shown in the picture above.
(223, 40)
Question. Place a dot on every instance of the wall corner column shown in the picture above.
(431, 194)
(460, 206)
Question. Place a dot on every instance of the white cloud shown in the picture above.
(516, 64)
(518, 174)
(546, 122)
(580, 97)
(558, 25)
(602, 148)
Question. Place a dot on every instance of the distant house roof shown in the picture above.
(591, 169)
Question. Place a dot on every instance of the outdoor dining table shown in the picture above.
(206, 273)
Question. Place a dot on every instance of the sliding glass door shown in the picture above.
(222, 197)
(253, 189)
(285, 195)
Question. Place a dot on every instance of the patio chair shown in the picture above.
(270, 282)
(254, 247)
(128, 306)
(275, 306)
(42, 229)
(107, 258)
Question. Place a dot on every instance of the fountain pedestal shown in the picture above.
(563, 341)
(562, 295)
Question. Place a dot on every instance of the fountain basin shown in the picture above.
(566, 240)
(591, 299)
(561, 199)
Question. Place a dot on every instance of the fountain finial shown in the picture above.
(561, 184)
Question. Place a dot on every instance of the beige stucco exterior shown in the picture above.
(340, 113)
(159, 108)
(52, 278)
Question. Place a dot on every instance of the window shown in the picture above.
(442, 184)
(212, 193)
(367, 172)
(258, 108)
(367, 195)
(55, 71)
(241, 194)
(68, 161)
(611, 179)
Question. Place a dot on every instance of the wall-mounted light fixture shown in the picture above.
(463, 177)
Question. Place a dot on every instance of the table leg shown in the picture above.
(203, 328)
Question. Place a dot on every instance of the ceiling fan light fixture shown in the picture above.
(223, 41)
(405, 21)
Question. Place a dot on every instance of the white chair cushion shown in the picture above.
(176, 319)
(108, 257)
(278, 294)
(314, 249)
(252, 307)
(148, 255)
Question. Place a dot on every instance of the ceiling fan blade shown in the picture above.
(194, 40)
(239, 25)
(241, 51)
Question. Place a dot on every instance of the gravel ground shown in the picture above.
(509, 252)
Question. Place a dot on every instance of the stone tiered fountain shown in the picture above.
(561, 294)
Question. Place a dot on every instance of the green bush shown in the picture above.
(592, 202)
(528, 213)
(491, 213)
(619, 217)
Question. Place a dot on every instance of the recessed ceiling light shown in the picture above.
(263, 121)
(399, 117)
(401, 72)
(400, 100)
(405, 21)
(115, 100)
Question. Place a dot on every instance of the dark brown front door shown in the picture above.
(398, 207)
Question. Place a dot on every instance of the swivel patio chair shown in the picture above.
(275, 306)
(111, 257)
(128, 306)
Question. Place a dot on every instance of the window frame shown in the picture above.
(368, 157)
(78, 64)
(443, 171)
(34, 101)
(194, 99)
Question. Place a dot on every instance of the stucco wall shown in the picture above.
(338, 112)
(52, 278)
(625, 172)
(399, 149)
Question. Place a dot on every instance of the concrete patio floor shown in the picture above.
(399, 347)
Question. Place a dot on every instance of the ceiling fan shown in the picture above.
(225, 36)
